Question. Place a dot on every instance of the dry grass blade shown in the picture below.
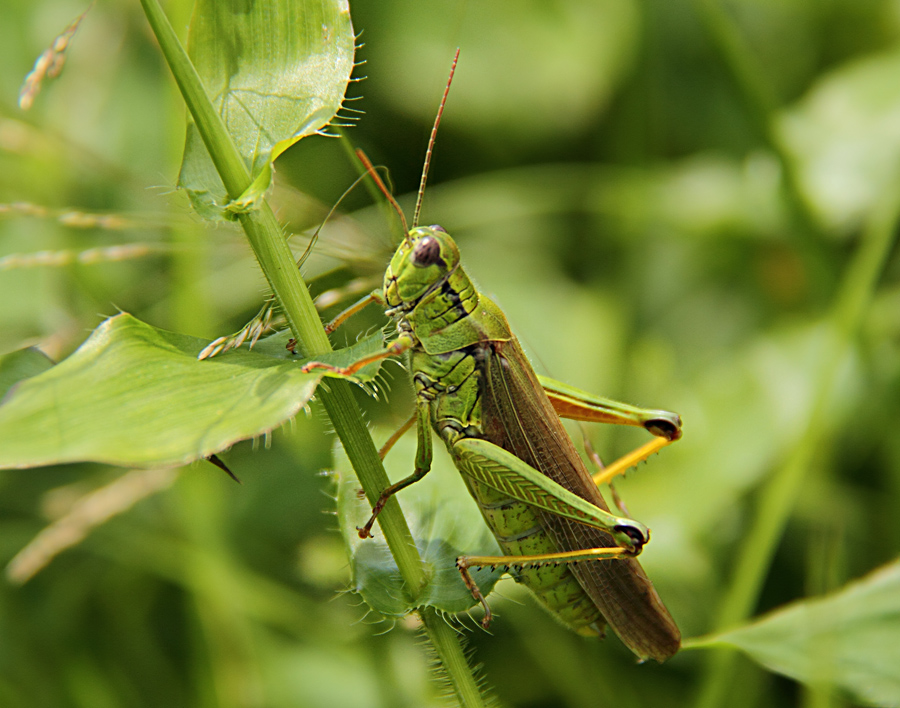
(89, 512)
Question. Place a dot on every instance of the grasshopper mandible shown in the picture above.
(501, 425)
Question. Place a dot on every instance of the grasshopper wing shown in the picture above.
(519, 418)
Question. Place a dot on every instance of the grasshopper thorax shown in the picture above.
(422, 264)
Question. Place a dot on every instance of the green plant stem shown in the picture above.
(277, 263)
(781, 492)
(447, 645)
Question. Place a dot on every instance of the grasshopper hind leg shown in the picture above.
(463, 567)
(521, 563)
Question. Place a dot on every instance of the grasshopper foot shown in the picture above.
(364, 531)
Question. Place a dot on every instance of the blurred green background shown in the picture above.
(664, 196)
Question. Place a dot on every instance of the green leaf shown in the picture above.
(136, 395)
(445, 524)
(276, 71)
(20, 365)
(849, 639)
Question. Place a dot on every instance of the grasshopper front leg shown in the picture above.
(358, 306)
(424, 456)
(399, 346)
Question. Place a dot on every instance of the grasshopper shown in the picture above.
(500, 422)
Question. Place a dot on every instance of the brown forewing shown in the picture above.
(519, 418)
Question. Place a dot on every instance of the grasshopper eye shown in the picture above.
(426, 252)
(438, 227)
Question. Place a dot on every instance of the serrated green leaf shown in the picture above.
(136, 395)
(444, 521)
(276, 71)
(20, 365)
(849, 639)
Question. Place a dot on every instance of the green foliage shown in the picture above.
(134, 395)
(444, 522)
(665, 198)
(273, 83)
(848, 638)
(21, 365)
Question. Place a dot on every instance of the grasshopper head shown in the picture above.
(422, 263)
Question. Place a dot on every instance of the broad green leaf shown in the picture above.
(136, 395)
(849, 639)
(276, 71)
(19, 365)
(444, 521)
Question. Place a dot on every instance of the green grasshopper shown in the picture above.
(501, 425)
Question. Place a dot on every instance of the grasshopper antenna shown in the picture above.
(315, 237)
(434, 129)
(370, 170)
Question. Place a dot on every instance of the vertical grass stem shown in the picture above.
(277, 263)
(781, 492)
